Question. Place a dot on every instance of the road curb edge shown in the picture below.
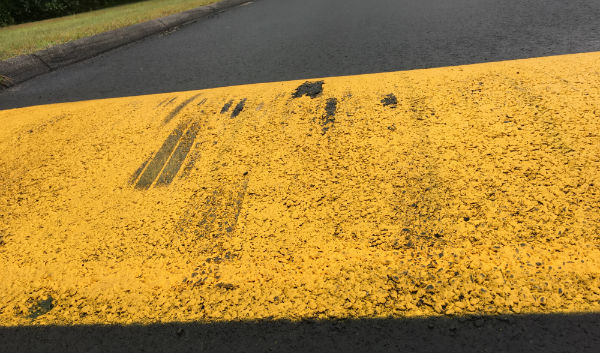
(24, 67)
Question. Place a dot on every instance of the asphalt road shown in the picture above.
(275, 40)
(522, 334)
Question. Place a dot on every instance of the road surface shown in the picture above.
(277, 40)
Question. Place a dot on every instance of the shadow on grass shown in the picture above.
(514, 333)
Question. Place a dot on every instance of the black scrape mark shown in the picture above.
(238, 108)
(156, 165)
(310, 89)
(226, 107)
(179, 107)
(201, 102)
(390, 100)
(41, 307)
(329, 117)
(178, 156)
(137, 173)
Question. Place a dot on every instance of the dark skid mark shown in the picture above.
(238, 108)
(179, 108)
(390, 100)
(329, 117)
(137, 173)
(178, 156)
(201, 102)
(310, 89)
(226, 106)
(156, 165)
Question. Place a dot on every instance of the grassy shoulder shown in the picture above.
(30, 37)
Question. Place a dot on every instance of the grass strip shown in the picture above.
(30, 37)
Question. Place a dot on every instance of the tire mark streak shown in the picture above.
(180, 154)
(139, 171)
(156, 165)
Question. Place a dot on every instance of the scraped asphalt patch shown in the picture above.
(41, 307)
(390, 100)
(310, 89)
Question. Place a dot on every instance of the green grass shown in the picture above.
(30, 37)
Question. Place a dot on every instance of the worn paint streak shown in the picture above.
(476, 194)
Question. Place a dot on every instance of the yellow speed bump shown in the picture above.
(450, 191)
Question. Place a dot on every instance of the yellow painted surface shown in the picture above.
(479, 192)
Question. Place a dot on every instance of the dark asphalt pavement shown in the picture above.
(275, 40)
(554, 333)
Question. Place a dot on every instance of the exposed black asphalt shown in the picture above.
(275, 40)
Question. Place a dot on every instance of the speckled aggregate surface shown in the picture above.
(475, 192)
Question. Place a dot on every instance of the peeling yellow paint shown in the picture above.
(477, 192)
